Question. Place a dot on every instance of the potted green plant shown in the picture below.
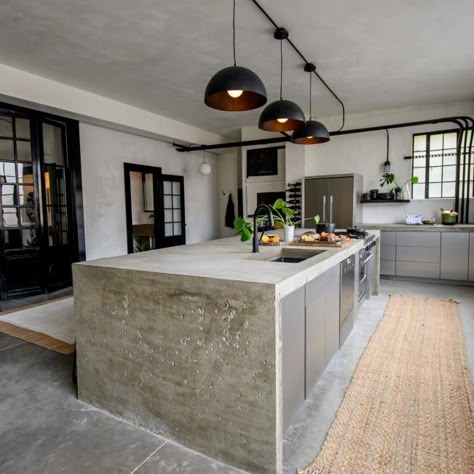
(281, 214)
(389, 178)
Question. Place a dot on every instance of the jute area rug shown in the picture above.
(409, 407)
(49, 324)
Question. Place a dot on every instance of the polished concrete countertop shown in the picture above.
(230, 259)
(420, 227)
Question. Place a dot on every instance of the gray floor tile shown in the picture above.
(7, 341)
(171, 458)
(45, 429)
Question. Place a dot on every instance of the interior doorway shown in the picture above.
(154, 205)
(41, 224)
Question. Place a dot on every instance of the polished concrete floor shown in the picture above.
(45, 429)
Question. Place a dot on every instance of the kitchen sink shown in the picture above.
(287, 255)
(288, 259)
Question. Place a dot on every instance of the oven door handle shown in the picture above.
(364, 262)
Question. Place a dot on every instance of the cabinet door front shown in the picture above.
(315, 340)
(471, 256)
(454, 255)
(293, 354)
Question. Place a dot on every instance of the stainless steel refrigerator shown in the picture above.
(341, 193)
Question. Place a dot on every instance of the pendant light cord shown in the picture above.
(388, 142)
(281, 69)
(233, 32)
(310, 94)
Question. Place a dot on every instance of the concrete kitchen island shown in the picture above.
(188, 342)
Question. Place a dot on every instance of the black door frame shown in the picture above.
(74, 196)
(157, 200)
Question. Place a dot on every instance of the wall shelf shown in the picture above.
(385, 201)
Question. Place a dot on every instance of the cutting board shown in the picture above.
(319, 244)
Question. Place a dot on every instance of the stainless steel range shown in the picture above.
(348, 280)
(366, 262)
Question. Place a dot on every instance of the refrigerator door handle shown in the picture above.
(331, 205)
(324, 208)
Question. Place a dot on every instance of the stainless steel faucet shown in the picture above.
(268, 210)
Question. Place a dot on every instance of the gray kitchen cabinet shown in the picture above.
(387, 267)
(388, 251)
(418, 254)
(454, 255)
(293, 353)
(322, 324)
(388, 238)
(471, 256)
(417, 269)
(418, 239)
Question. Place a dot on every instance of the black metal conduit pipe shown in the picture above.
(457, 196)
(466, 167)
(464, 123)
(469, 166)
(267, 141)
(300, 54)
(462, 171)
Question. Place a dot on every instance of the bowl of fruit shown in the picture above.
(270, 239)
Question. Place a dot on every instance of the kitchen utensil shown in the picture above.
(449, 219)
(374, 194)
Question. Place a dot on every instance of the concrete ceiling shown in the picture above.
(159, 55)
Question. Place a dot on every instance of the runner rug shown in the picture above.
(409, 407)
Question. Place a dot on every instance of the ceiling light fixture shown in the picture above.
(312, 132)
(235, 88)
(281, 115)
(205, 168)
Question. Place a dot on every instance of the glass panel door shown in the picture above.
(173, 207)
(20, 262)
(154, 206)
(55, 176)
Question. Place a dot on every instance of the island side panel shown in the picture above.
(190, 358)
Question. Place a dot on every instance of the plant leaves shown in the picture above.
(245, 234)
(239, 223)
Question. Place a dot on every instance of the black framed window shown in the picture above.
(434, 162)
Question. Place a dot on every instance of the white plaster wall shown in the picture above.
(103, 152)
(31, 90)
(364, 153)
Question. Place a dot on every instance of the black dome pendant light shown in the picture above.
(312, 132)
(281, 115)
(235, 88)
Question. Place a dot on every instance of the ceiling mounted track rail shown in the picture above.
(301, 55)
